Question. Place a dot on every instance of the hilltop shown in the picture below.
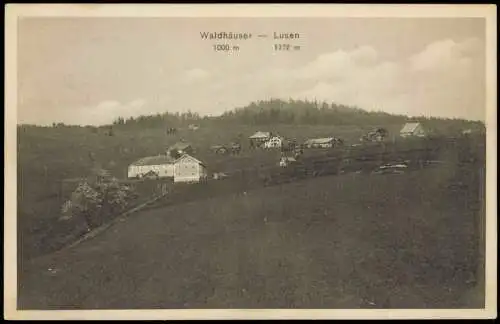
(291, 112)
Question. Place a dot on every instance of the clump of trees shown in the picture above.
(95, 202)
(160, 120)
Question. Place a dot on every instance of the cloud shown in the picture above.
(445, 78)
(339, 64)
(446, 55)
(107, 111)
(108, 104)
(195, 75)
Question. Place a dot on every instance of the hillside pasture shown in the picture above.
(351, 241)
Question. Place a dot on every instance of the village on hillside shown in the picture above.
(266, 153)
(265, 157)
(179, 164)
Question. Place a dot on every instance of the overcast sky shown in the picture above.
(92, 70)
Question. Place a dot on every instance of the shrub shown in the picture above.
(97, 202)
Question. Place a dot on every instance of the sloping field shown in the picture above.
(372, 241)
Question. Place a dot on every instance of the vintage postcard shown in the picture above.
(250, 161)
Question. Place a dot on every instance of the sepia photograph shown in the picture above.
(250, 161)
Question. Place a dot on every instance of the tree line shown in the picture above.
(279, 111)
(303, 112)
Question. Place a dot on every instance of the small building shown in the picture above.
(377, 135)
(161, 165)
(467, 131)
(412, 129)
(286, 161)
(189, 169)
(219, 149)
(219, 176)
(326, 142)
(259, 138)
(274, 142)
(181, 148)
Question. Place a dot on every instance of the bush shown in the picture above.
(97, 202)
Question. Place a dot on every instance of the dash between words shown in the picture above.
(245, 36)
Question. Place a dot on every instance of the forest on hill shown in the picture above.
(295, 112)
(290, 112)
(273, 111)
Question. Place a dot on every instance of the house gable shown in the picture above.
(188, 159)
(188, 169)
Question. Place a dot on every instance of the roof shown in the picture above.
(261, 135)
(180, 146)
(324, 140)
(154, 160)
(187, 156)
(410, 127)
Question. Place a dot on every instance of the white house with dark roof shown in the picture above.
(412, 129)
(274, 142)
(161, 165)
(189, 169)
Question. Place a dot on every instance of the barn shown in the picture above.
(326, 142)
(189, 169)
(412, 129)
(161, 165)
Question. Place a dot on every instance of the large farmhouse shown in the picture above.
(184, 169)
(160, 165)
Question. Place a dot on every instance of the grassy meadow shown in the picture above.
(411, 240)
